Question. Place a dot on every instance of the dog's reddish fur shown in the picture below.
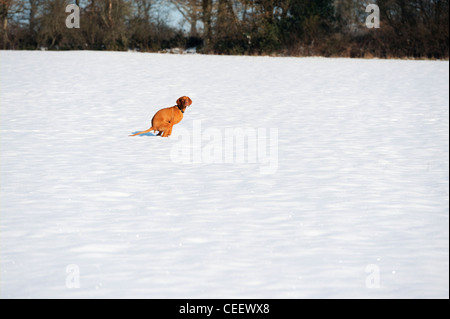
(165, 119)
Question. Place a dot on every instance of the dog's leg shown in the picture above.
(164, 128)
(168, 130)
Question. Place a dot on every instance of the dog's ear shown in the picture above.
(180, 102)
(189, 101)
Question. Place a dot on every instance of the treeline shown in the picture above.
(417, 28)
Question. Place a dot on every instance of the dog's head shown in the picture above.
(183, 102)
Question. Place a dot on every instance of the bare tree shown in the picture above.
(112, 15)
(207, 21)
(191, 10)
(142, 9)
(8, 8)
(52, 30)
(34, 6)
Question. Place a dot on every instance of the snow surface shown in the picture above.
(353, 203)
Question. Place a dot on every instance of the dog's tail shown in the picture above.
(143, 132)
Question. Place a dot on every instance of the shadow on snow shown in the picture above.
(145, 134)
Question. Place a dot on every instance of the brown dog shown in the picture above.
(165, 119)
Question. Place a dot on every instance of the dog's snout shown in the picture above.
(187, 101)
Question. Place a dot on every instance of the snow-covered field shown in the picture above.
(341, 187)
